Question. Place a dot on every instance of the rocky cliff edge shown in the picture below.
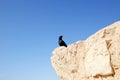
(96, 58)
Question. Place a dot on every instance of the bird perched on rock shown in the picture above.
(61, 42)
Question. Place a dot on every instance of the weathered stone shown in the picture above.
(96, 58)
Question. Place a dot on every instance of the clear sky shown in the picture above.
(29, 31)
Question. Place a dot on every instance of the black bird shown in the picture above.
(61, 42)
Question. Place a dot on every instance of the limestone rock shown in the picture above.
(96, 58)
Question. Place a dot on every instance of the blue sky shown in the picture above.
(29, 31)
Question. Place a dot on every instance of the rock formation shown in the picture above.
(96, 58)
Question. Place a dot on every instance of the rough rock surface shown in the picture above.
(96, 58)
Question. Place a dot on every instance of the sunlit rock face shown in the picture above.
(96, 58)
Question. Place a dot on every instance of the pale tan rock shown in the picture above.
(96, 58)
